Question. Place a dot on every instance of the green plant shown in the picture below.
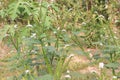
(29, 29)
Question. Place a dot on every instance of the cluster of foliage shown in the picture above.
(43, 33)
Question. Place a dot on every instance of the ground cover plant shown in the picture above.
(60, 40)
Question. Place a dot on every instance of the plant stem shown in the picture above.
(13, 43)
(49, 67)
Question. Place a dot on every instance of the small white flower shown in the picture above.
(33, 51)
(101, 16)
(109, 18)
(15, 26)
(101, 65)
(29, 25)
(115, 37)
(70, 9)
(90, 55)
(68, 76)
(101, 44)
(114, 77)
(64, 30)
(58, 28)
(33, 35)
(83, 23)
(66, 45)
(106, 6)
(116, 21)
(27, 71)
(95, 12)
(71, 55)
(68, 71)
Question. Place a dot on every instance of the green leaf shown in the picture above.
(27, 10)
(50, 49)
(12, 30)
(43, 13)
(46, 77)
(112, 65)
(66, 38)
(76, 74)
(13, 10)
(3, 31)
(29, 42)
(47, 21)
(111, 49)
(76, 32)
(55, 8)
(2, 13)
(43, 35)
(25, 32)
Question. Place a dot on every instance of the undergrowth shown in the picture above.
(45, 35)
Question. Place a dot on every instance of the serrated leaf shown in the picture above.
(76, 32)
(27, 10)
(55, 8)
(66, 37)
(13, 10)
(112, 65)
(30, 42)
(43, 13)
(47, 21)
(43, 35)
(2, 13)
(50, 49)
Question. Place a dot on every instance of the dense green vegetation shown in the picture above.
(45, 35)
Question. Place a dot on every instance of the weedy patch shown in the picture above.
(60, 39)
